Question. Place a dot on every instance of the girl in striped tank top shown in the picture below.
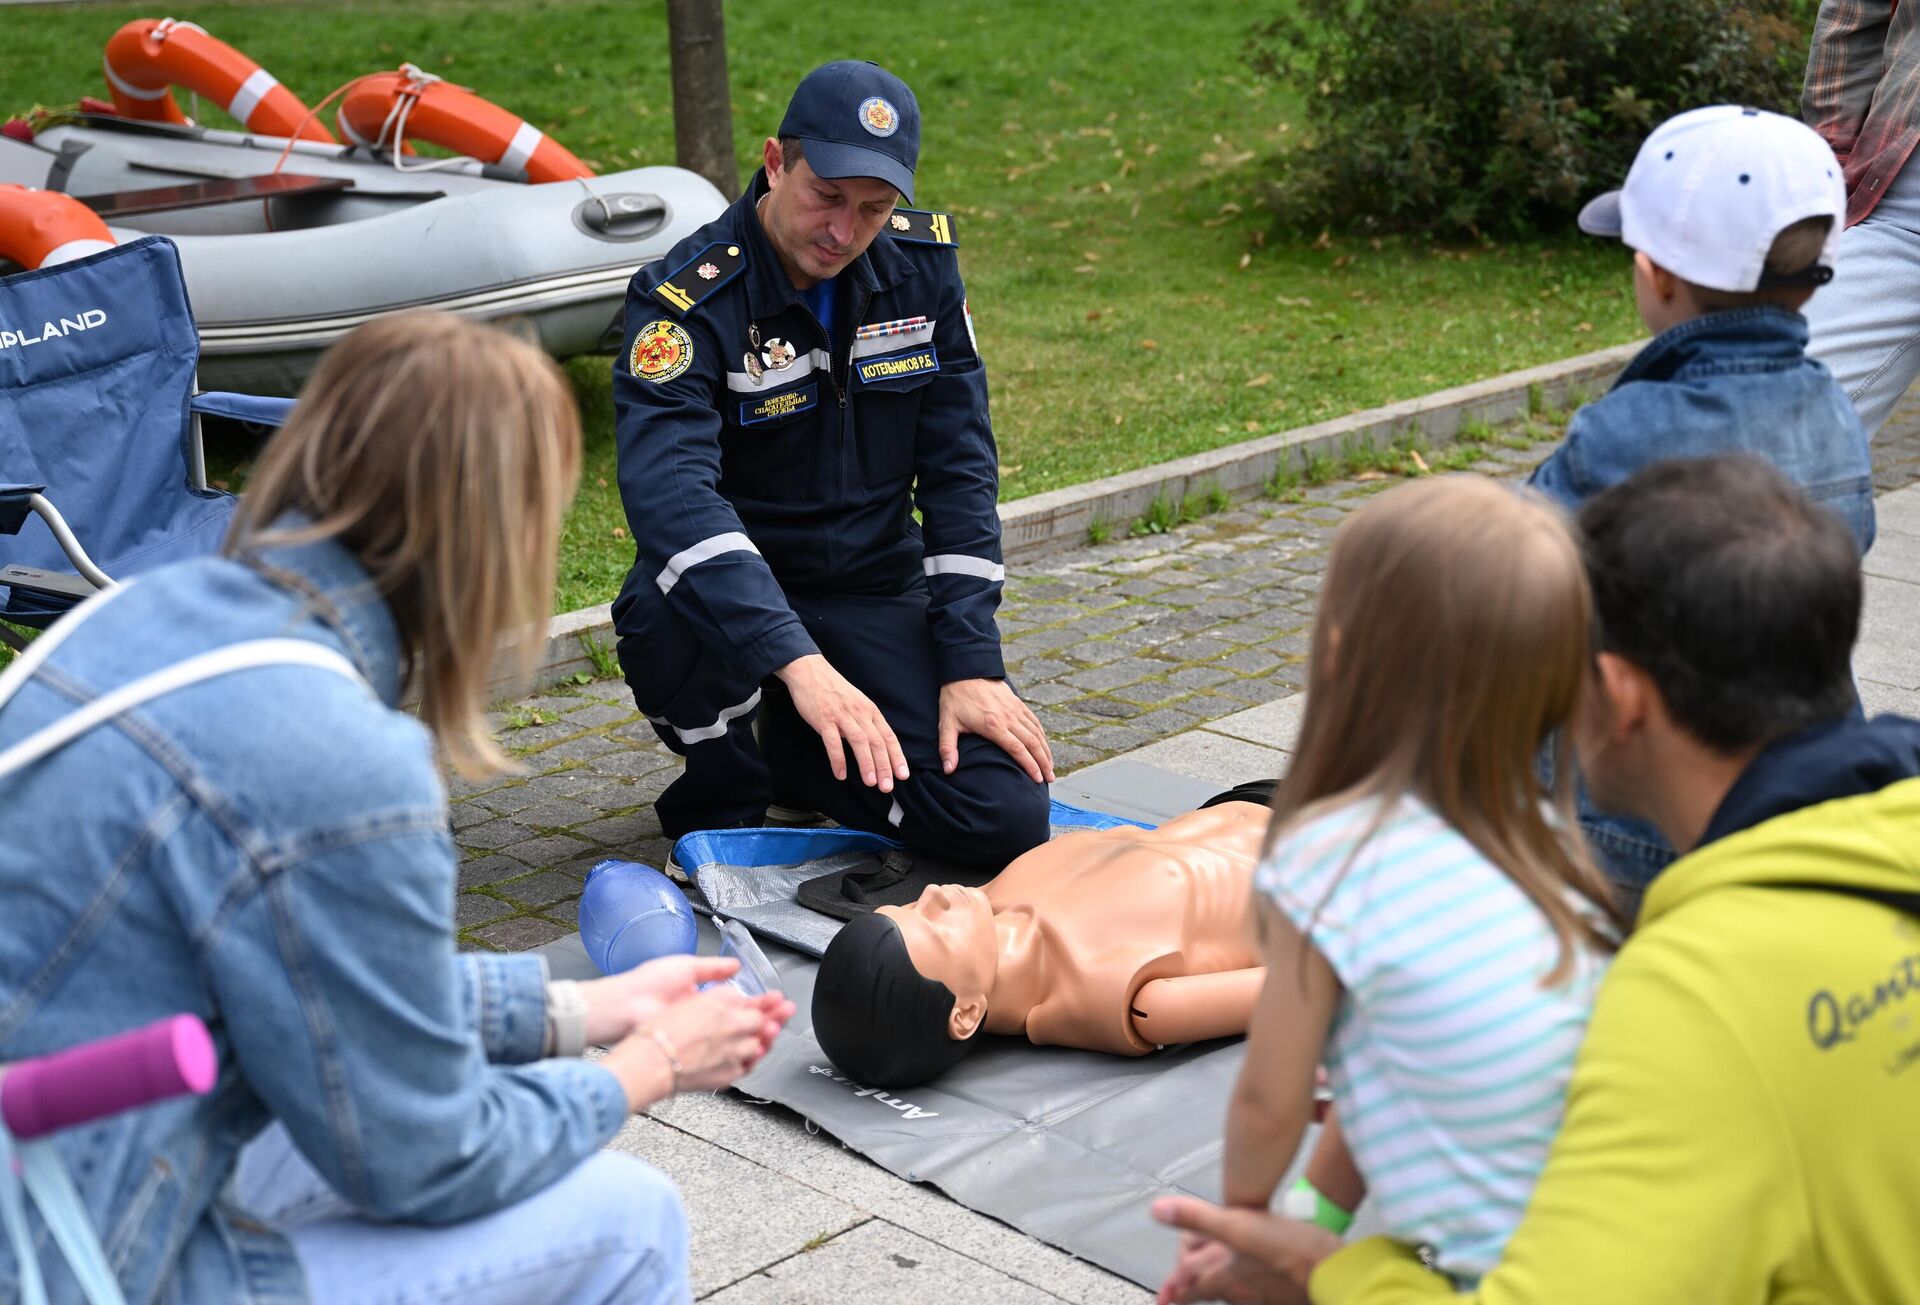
(1432, 931)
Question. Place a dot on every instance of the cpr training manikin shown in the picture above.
(1119, 940)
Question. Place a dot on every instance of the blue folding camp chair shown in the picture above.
(102, 472)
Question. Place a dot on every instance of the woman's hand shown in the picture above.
(619, 1002)
(714, 1036)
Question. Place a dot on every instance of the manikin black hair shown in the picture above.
(880, 1021)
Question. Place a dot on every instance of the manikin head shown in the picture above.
(901, 993)
(845, 152)
(1727, 607)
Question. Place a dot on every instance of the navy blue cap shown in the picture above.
(857, 119)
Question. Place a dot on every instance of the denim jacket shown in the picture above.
(268, 851)
(1733, 382)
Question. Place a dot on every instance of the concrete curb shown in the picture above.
(572, 638)
(1061, 518)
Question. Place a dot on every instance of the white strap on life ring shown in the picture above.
(126, 87)
(251, 92)
(74, 249)
(526, 139)
(168, 26)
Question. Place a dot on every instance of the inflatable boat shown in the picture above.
(289, 237)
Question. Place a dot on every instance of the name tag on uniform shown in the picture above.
(897, 366)
(772, 407)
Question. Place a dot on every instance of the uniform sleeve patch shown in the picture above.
(922, 227)
(897, 366)
(772, 407)
(661, 351)
(684, 288)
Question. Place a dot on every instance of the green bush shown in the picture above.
(1503, 116)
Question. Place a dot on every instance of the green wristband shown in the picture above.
(1306, 1202)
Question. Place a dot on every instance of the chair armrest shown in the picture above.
(256, 408)
(16, 501)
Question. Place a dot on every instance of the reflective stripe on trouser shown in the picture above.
(704, 712)
(986, 812)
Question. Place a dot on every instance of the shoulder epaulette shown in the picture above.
(922, 227)
(700, 276)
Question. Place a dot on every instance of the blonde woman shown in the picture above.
(269, 849)
(1430, 925)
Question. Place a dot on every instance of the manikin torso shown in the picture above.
(1137, 937)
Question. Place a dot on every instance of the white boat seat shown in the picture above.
(204, 194)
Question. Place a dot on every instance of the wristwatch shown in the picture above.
(566, 1019)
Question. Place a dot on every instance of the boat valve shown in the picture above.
(621, 217)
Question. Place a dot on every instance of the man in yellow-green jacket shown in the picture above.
(1741, 1125)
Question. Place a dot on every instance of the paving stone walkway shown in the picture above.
(1117, 646)
(1168, 640)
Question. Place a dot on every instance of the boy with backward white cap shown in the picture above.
(1733, 215)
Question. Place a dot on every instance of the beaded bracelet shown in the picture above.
(666, 1049)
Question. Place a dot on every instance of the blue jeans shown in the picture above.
(1630, 852)
(612, 1230)
(1866, 321)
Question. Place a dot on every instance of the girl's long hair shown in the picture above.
(442, 453)
(1454, 639)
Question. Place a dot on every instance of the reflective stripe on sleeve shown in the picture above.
(702, 733)
(961, 564)
(710, 547)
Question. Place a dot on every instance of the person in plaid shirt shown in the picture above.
(1863, 95)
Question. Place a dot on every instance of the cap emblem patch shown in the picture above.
(878, 116)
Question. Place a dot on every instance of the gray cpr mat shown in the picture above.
(1070, 1147)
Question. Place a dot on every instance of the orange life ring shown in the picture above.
(147, 56)
(39, 228)
(452, 116)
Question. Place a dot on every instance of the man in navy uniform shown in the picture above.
(799, 376)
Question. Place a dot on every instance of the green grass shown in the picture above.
(1132, 301)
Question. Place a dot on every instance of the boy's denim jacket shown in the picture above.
(1733, 382)
(269, 851)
